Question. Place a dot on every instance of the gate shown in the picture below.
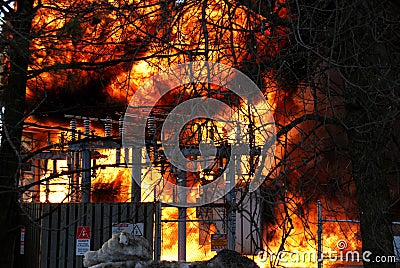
(199, 232)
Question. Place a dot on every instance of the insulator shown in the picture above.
(86, 125)
(121, 126)
(151, 126)
(72, 125)
(107, 127)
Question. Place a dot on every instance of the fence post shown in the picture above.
(231, 204)
(320, 254)
(136, 173)
(157, 231)
(181, 181)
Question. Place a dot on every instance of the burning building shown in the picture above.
(90, 58)
(75, 153)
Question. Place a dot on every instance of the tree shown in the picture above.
(345, 52)
(12, 123)
(358, 43)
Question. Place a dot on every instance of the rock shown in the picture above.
(122, 250)
(230, 259)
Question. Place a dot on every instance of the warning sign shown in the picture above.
(138, 229)
(122, 227)
(83, 232)
(82, 246)
(82, 240)
(219, 242)
(132, 228)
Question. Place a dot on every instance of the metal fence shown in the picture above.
(50, 229)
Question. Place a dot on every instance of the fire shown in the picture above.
(112, 184)
(109, 184)
(198, 236)
(99, 36)
(296, 237)
(108, 31)
(55, 191)
(54, 170)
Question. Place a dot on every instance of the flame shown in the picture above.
(55, 190)
(298, 230)
(108, 31)
(111, 184)
(198, 240)
(105, 33)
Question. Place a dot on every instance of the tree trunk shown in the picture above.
(367, 153)
(14, 103)
(371, 96)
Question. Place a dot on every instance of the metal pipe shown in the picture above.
(126, 156)
(48, 138)
(75, 182)
(121, 133)
(319, 233)
(333, 220)
(86, 176)
(70, 165)
(47, 189)
(118, 156)
(78, 117)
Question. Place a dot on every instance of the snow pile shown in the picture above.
(122, 250)
(128, 251)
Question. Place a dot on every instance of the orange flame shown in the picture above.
(76, 32)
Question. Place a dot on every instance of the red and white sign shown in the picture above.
(82, 240)
(83, 232)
